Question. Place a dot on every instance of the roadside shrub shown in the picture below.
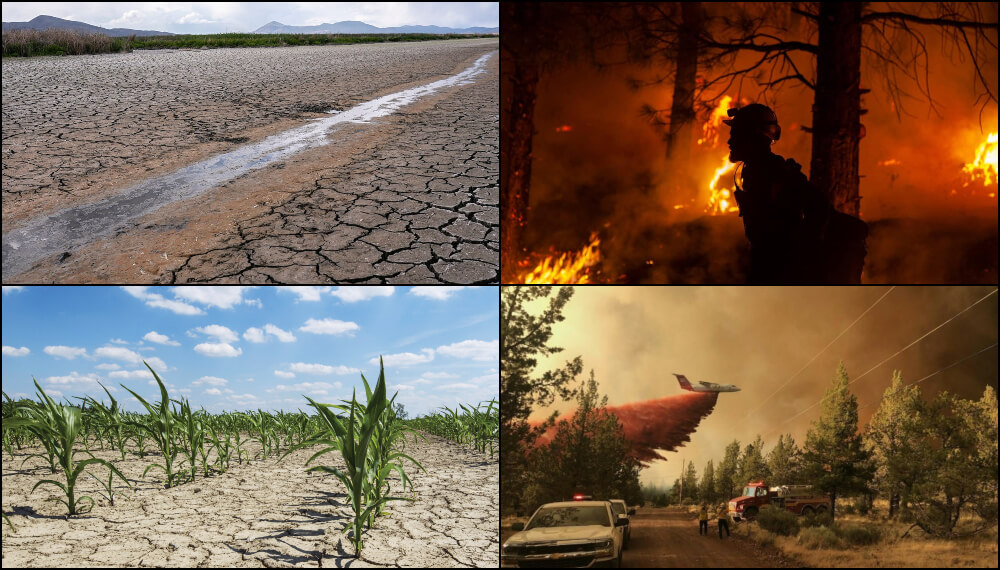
(819, 537)
(814, 520)
(778, 521)
(858, 535)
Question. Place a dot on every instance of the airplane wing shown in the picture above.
(707, 384)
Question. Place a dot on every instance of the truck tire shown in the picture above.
(750, 514)
(807, 511)
(820, 509)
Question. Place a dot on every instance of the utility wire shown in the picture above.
(925, 335)
(813, 359)
(977, 353)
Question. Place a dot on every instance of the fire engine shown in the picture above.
(799, 499)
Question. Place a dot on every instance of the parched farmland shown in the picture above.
(254, 165)
(234, 489)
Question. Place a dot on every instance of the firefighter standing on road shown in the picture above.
(703, 520)
(723, 519)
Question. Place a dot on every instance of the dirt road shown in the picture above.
(668, 538)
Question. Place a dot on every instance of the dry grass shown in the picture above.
(27, 43)
(916, 550)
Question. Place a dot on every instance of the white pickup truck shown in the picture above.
(572, 534)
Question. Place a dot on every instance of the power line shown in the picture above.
(925, 335)
(977, 353)
(793, 376)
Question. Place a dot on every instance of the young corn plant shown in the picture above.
(355, 443)
(192, 440)
(7, 520)
(110, 419)
(59, 425)
(162, 429)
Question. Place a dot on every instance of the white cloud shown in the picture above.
(194, 18)
(305, 293)
(153, 336)
(421, 381)
(474, 349)
(221, 333)
(254, 334)
(213, 392)
(255, 302)
(442, 293)
(54, 393)
(223, 297)
(355, 294)
(283, 374)
(7, 289)
(315, 388)
(304, 368)
(76, 382)
(118, 341)
(438, 375)
(458, 386)
(406, 358)
(400, 387)
(107, 366)
(11, 351)
(217, 349)
(118, 353)
(211, 381)
(131, 374)
(328, 326)
(67, 352)
(156, 300)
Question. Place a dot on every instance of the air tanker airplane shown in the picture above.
(705, 386)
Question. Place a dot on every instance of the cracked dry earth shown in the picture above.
(264, 514)
(408, 198)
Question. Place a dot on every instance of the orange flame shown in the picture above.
(564, 129)
(720, 200)
(568, 267)
(984, 167)
(890, 162)
(710, 130)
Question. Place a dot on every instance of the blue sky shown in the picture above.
(238, 348)
(218, 17)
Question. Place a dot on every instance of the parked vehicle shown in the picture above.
(570, 534)
(799, 499)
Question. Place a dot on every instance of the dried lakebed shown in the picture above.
(409, 197)
(265, 514)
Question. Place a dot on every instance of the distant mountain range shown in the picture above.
(353, 27)
(51, 22)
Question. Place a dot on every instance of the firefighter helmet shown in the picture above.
(757, 117)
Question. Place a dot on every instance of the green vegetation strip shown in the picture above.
(26, 43)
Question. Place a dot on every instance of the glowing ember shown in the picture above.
(890, 162)
(710, 130)
(985, 166)
(564, 129)
(720, 200)
(568, 267)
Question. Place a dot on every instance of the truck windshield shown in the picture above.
(749, 491)
(570, 516)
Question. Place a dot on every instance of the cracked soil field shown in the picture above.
(407, 198)
(263, 514)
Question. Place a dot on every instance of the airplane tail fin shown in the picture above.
(683, 381)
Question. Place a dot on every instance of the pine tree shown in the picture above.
(895, 438)
(783, 461)
(834, 459)
(752, 465)
(524, 337)
(707, 488)
(726, 484)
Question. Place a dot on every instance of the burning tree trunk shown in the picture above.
(682, 114)
(836, 108)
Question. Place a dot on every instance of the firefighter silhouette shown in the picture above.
(795, 234)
